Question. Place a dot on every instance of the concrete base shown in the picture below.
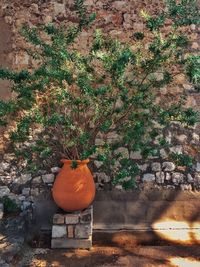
(71, 243)
(72, 230)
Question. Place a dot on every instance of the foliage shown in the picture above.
(9, 205)
(73, 98)
(193, 70)
(182, 159)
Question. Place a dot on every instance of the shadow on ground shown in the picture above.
(131, 248)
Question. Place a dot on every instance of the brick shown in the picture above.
(83, 230)
(73, 230)
(59, 231)
(71, 243)
(58, 219)
(86, 218)
(72, 218)
(86, 215)
(70, 231)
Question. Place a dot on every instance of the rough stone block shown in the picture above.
(34, 192)
(168, 176)
(176, 149)
(160, 177)
(198, 167)
(168, 166)
(148, 177)
(1, 211)
(55, 169)
(26, 191)
(156, 166)
(83, 230)
(195, 46)
(4, 191)
(48, 178)
(4, 166)
(197, 178)
(98, 164)
(119, 5)
(122, 151)
(135, 155)
(187, 187)
(177, 178)
(36, 180)
(59, 8)
(163, 153)
(71, 243)
(58, 219)
(102, 177)
(70, 231)
(26, 205)
(71, 218)
(59, 231)
(22, 59)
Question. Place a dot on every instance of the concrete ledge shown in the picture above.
(170, 215)
(122, 210)
(158, 211)
(147, 194)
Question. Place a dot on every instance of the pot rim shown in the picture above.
(69, 161)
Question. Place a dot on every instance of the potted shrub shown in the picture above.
(100, 103)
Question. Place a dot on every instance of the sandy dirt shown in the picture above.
(121, 252)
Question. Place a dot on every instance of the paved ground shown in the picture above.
(104, 256)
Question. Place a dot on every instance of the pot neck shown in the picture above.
(79, 162)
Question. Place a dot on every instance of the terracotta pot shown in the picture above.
(74, 189)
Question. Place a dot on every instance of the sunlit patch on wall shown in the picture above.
(178, 231)
(184, 262)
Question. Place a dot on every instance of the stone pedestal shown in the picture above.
(72, 230)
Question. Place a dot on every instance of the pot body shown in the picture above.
(74, 189)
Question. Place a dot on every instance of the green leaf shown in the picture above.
(74, 164)
(139, 35)
(182, 159)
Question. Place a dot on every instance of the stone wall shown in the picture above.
(119, 19)
(5, 54)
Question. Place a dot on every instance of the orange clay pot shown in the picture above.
(74, 189)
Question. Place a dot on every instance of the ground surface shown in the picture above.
(118, 255)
